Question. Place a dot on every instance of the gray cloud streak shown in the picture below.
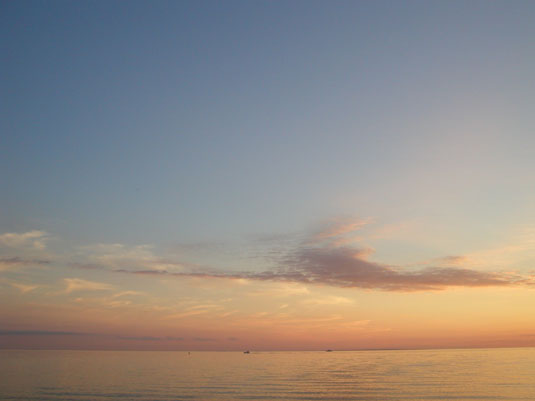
(16, 261)
(41, 333)
(346, 267)
(324, 258)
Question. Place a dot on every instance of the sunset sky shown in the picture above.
(267, 175)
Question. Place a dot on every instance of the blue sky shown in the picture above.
(192, 120)
(222, 134)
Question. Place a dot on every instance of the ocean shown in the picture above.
(460, 374)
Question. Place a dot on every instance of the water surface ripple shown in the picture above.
(470, 374)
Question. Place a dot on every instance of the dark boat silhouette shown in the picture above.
(247, 352)
(329, 350)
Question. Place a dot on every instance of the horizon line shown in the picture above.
(273, 350)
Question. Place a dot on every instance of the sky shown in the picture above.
(267, 175)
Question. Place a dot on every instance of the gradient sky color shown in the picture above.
(267, 175)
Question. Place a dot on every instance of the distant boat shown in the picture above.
(329, 350)
(247, 352)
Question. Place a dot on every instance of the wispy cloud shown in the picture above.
(324, 257)
(127, 293)
(196, 310)
(22, 287)
(345, 267)
(127, 257)
(13, 262)
(329, 300)
(50, 333)
(203, 339)
(282, 290)
(40, 333)
(77, 284)
(450, 260)
(342, 267)
(337, 230)
(140, 338)
(35, 239)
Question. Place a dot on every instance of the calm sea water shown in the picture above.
(473, 374)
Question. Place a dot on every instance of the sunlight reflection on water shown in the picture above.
(472, 374)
